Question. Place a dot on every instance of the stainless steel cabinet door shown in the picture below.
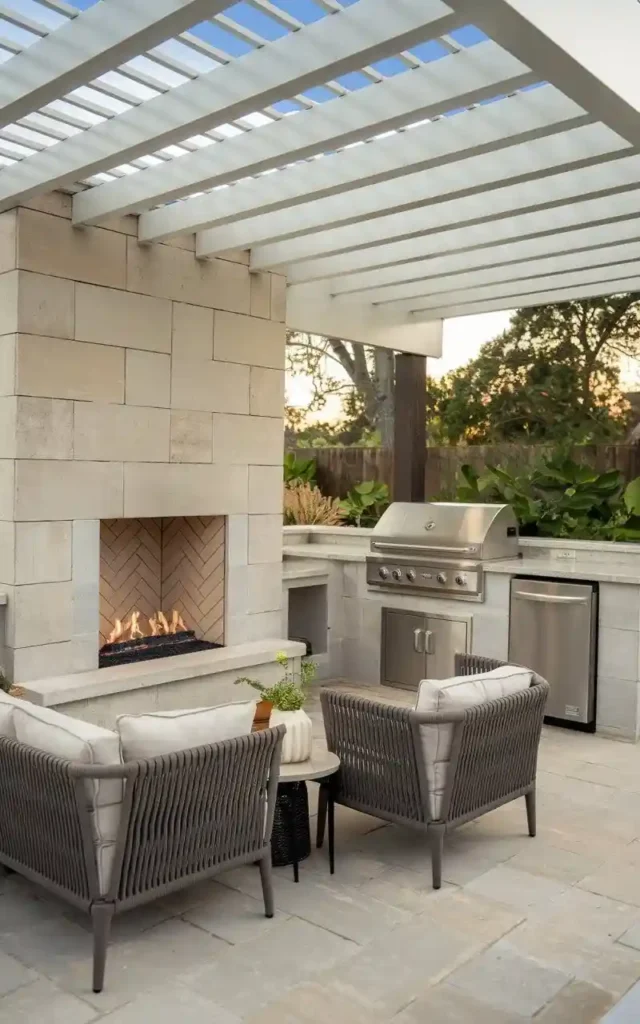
(403, 661)
(552, 631)
(445, 638)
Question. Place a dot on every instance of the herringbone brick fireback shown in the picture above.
(163, 564)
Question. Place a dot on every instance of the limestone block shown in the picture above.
(247, 339)
(264, 625)
(258, 440)
(181, 241)
(51, 245)
(260, 283)
(120, 433)
(264, 588)
(183, 490)
(148, 379)
(109, 317)
(45, 305)
(54, 368)
(9, 302)
(42, 553)
(58, 203)
(237, 541)
(48, 490)
(84, 652)
(8, 240)
(236, 256)
(191, 436)
(265, 538)
(7, 485)
(192, 332)
(278, 298)
(8, 345)
(7, 553)
(44, 428)
(176, 274)
(29, 663)
(41, 614)
(265, 489)
(8, 416)
(266, 392)
(85, 590)
(209, 386)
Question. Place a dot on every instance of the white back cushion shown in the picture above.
(7, 704)
(164, 732)
(456, 694)
(75, 740)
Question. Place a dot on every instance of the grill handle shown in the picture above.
(417, 549)
(423, 641)
(549, 598)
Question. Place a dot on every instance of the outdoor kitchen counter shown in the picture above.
(569, 569)
(328, 552)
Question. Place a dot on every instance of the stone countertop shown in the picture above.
(328, 552)
(302, 569)
(569, 569)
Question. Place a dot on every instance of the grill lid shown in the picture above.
(448, 529)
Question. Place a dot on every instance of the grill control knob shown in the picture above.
(441, 577)
(461, 580)
(411, 575)
(383, 573)
(397, 574)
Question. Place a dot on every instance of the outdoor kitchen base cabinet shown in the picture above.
(416, 646)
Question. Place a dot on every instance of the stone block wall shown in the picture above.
(135, 381)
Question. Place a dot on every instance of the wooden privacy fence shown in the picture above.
(339, 469)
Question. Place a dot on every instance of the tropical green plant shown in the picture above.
(365, 503)
(305, 505)
(289, 693)
(559, 497)
(299, 471)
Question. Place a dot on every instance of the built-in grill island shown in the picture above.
(440, 546)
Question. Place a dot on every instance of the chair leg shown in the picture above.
(101, 916)
(322, 814)
(436, 835)
(266, 877)
(531, 811)
(332, 834)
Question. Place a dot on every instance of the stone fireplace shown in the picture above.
(161, 587)
(141, 439)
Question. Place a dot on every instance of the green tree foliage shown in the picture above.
(553, 375)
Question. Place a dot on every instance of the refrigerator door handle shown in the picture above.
(429, 642)
(419, 637)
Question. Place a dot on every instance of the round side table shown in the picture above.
(291, 839)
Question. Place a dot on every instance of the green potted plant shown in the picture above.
(282, 704)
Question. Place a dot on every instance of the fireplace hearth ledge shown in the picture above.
(97, 684)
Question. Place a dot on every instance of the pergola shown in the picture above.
(401, 161)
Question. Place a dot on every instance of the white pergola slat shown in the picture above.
(458, 176)
(530, 161)
(607, 176)
(337, 44)
(104, 37)
(526, 117)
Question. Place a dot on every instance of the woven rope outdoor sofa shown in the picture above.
(184, 817)
(384, 772)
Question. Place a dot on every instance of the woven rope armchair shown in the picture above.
(185, 817)
(382, 767)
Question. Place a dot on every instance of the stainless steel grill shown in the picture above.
(440, 546)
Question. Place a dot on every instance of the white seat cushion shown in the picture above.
(164, 732)
(456, 694)
(76, 740)
(7, 704)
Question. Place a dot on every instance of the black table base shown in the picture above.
(291, 839)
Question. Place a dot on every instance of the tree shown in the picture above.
(554, 374)
(364, 382)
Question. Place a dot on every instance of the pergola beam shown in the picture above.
(473, 76)
(90, 44)
(339, 43)
(477, 175)
(589, 50)
(370, 245)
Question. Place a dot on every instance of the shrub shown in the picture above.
(299, 471)
(306, 506)
(364, 505)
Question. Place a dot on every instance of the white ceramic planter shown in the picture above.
(296, 745)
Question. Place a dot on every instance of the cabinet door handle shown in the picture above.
(429, 642)
(418, 641)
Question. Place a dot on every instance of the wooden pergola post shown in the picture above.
(410, 428)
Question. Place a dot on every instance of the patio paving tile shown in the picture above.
(314, 1003)
(247, 977)
(43, 1002)
(175, 1005)
(507, 981)
(618, 881)
(13, 974)
(232, 916)
(578, 1003)
(445, 1004)
(542, 858)
(519, 889)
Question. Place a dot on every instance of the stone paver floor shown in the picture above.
(544, 929)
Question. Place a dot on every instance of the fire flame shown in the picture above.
(158, 625)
